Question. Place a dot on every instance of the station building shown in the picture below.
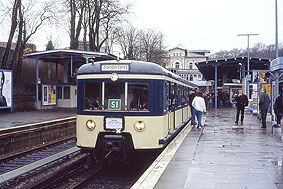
(183, 63)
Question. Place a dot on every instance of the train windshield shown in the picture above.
(117, 96)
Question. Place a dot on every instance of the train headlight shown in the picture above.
(114, 77)
(90, 124)
(139, 126)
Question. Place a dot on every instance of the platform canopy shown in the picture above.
(231, 66)
(64, 56)
(75, 58)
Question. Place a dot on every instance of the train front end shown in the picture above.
(119, 110)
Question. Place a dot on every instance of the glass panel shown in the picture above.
(166, 96)
(138, 94)
(60, 93)
(93, 96)
(114, 96)
(66, 92)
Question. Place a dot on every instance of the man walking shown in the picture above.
(264, 102)
(192, 95)
(278, 108)
(242, 101)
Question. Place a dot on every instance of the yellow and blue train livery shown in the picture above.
(125, 106)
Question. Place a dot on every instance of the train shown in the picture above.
(125, 106)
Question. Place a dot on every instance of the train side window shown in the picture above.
(179, 93)
(166, 96)
(138, 96)
(93, 96)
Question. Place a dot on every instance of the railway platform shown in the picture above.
(14, 119)
(221, 155)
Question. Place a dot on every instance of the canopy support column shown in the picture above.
(56, 85)
(37, 60)
(215, 86)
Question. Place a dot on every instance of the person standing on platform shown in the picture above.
(192, 95)
(226, 99)
(242, 101)
(264, 102)
(278, 108)
(199, 106)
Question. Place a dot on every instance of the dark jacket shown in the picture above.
(264, 101)
(191, 98)
(241, 100)
(278, 106)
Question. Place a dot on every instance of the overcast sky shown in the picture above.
(198, 24)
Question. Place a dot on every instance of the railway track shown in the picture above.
(21, 138)
(21, 159)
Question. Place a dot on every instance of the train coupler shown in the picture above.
(113, 143)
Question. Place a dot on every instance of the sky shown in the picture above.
(195, 24)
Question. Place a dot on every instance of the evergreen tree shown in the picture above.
(50, 45)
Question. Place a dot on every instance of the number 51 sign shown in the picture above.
(114, 104)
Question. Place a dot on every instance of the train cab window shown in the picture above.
(114, 96)
(138, 94)
(93, 96)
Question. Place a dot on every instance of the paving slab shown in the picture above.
(227, 156)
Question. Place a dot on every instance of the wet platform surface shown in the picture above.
(13, 119)
(227, 156)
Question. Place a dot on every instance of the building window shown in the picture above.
(60, 93)
(66, 92)
(191, 66)
(177, 65)
(199, 77)
(191, 77)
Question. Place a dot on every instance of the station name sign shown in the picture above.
(276, 64)
(115, 67)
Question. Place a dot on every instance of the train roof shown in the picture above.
(134, 67)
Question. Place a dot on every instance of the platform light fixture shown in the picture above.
(248, 49)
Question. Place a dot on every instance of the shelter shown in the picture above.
(227, 70)
(71, 60)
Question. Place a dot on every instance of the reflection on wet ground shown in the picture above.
(236, 156)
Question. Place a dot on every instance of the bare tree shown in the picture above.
(151, 45)
(127, 39)
(27, 17)
(14, 17)
(103, 17)
(77, 10)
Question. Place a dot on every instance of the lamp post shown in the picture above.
(276, 30)
(248, 49)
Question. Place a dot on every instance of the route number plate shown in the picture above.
(114, 104)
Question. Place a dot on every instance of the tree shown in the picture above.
(26, 19)
(127, 38)
(103, 16)
(50, 45)
(151, 45)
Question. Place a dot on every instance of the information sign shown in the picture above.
(114, 104)
(48, 94)
(115, 67)
(114, 123)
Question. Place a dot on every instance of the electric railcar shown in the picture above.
(125, 106)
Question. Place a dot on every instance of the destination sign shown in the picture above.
(115, 67)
